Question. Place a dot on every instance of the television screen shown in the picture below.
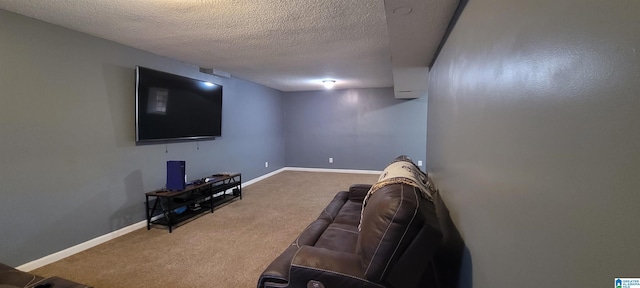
(176, 108)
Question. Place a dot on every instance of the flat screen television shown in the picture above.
(173, 108)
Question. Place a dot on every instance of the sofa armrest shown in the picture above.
(12, 277)
(357, 192)
(58, 282)
(277, 273)
(327, 267)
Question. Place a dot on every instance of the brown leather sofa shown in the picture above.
(11, 277)
(406, 240)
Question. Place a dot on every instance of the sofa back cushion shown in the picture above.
(392, 218)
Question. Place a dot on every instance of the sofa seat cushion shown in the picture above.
(339, 237)
(349, 214)
(312, 233)
(331, 211)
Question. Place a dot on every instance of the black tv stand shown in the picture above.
(173, 207)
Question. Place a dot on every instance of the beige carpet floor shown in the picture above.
(227, 248)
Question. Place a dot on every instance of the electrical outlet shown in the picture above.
(330, 160)
(266, 164)
(420, 163)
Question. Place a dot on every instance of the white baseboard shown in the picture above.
(332, 170)
(35, 264)
(265, 176)
(80, 247)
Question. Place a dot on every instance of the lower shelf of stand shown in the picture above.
(180, 218)
(191, 214)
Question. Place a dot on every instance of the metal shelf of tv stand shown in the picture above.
(207, 195)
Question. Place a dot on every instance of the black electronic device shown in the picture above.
(175, 108)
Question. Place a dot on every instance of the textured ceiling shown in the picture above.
(286, 45)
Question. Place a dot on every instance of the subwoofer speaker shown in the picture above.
(176, 175)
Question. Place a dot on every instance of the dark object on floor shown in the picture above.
(11, 277)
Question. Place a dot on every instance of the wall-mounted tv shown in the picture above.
(172, 108)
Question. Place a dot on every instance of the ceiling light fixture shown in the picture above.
(328, 84)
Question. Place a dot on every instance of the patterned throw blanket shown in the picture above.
(402, 172)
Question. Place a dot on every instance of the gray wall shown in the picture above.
(534, 140)
(358, 128)
(69, 168)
